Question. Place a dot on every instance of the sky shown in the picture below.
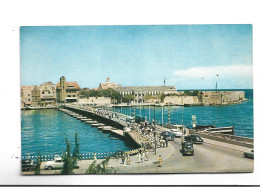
(189, 56)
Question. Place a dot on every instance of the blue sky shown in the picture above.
(189, 56)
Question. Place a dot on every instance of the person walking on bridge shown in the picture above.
(159, 161)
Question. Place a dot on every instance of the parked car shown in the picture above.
(176, 132)
(187, 148)
(57, 163)
(28, 165)
(167, 135)
(194, 138)
(249, 154)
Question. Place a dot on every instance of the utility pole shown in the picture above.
(217, 82)
(121, 106)
(140, 110)
(162, 115)
(130, 108)
(155, 143)
(134, 113)
(182, 121)
(169, 115)
(164, 81)
(149, 113)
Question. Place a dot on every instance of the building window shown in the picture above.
(28, 94)
(74, 95)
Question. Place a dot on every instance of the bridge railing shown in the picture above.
(82, 156)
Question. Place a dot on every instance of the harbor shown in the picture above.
(118, 127)
(136, 105)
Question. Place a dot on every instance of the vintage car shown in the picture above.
(57, 163)
(187, 148)
(176, 132)
(194, 138)
(249, 154)
(167, 135)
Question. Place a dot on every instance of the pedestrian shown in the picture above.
(166, 142)
(147, 155)
(128, 160)
(159, 161)
(123, 158)
(139, 157)
(95, 156)
(143, 156)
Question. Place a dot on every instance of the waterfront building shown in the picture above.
(36, 96)
(47, 94)
(222, 97)
(26, 96)
(141, 93)
(67, 91)
(108, 84)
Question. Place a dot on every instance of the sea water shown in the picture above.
(238, 115)
(46, 131)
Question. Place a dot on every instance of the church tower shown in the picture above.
(63, 88)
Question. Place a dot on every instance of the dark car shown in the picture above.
(187, 148)
(167, 136)
(194, 138)
(28, 165)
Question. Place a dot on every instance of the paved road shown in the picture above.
(207, 158)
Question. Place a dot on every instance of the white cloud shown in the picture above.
(230, 76)
(235, 71)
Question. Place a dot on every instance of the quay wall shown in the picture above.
(226, 138)
(181, 100)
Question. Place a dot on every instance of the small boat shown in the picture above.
(222, 130)
(203, 127)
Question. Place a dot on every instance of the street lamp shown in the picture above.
(155, 143)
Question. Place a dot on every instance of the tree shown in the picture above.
(127, 98)
(38, 165)
(76, 149)
(68, 162)
(162, 97)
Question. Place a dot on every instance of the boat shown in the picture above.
(222, 130)
(203, 127)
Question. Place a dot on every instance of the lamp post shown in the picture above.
(121, 106)
(149, 113)
(155, 143)
(130, 108)
(162, 115)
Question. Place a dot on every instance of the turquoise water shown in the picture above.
(46, 131)
(238, 115)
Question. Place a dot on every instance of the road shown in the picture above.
(208, 158)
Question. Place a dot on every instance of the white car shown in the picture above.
(57, 163)
(176, 132)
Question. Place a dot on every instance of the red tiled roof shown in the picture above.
(70, 85)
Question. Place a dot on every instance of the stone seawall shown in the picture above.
(231, 139)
